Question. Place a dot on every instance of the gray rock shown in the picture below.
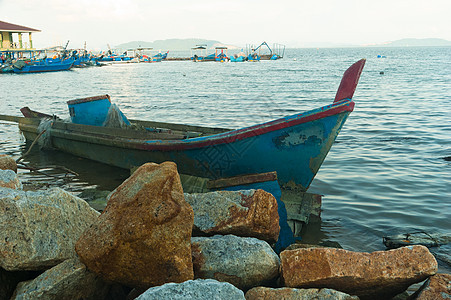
(247, 213)
(39, 229)
(68, 280)
(198, 289)
(243, 262)
(264, 293)
(9, 179)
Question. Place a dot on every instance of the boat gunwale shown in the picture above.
(89, 99)
(345, 105)
(104, 137)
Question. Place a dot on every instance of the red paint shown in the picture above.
(349, 81)
(240, 134)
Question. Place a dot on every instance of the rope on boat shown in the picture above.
(44, 129)
(32, 144)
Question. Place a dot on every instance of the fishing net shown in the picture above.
(45, 140)
(115, 118)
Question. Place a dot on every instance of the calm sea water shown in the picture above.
(386, 174)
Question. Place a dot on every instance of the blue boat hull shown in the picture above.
(294, 147)
(51, 67)
(237, 59)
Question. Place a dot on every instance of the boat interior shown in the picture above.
(145, 130)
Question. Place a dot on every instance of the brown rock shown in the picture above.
(7, 163)
(436, 288)
(251, 213)
(264, 293)
(143, 237)
(377, 275)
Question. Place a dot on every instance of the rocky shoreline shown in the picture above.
(153, 241)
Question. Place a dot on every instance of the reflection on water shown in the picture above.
(385, 174)
(69, 172)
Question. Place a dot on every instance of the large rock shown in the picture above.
(142, 238)
(9, 179)
(251, 213)
(436, 287)
(243, 262)
(377, 275)
(39, 229)
(7, 163)
(68, 280)
(198, 289)
(265, 293)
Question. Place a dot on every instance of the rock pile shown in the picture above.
(53, 245)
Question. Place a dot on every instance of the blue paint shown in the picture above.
(237, 59)
(92, 113)
(42, 66)
(253, 57)
(272, 151)
(286, 236)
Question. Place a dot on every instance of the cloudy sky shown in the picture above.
(296, 23)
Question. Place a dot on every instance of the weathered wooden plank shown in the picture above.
(10, 118)
(28, 113)
(141, 134)
(242, 180)
(180, 127)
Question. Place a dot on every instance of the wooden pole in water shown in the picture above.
(11, 118)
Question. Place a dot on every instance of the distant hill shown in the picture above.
(173, 44)
(417, 43)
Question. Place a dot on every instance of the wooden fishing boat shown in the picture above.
(294, 146)
(199, 53)
(45, 67)
(221, 54)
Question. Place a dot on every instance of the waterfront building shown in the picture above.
(12, 37)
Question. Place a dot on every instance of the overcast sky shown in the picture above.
(295, 23)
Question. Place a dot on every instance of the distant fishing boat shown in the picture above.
(253, 57)
(294, 146)
(145, 55)
(199, 54)
(221, 54)
(274, 53)
(238, 57)
(44, 66)
(165, 55)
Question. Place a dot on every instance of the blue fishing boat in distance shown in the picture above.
(45, 66)
(294, 146)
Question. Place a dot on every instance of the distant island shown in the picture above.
(187, 44)
(173, 44)
(416, 43)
